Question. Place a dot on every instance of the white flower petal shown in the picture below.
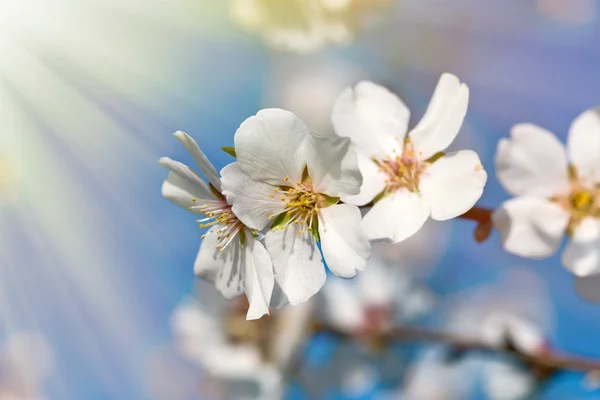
(373, 117)
(342, 307)
(530, 227)
(588, 287)
(582, 254)
(200, 159)
(345, 246)
(373, 182)
(259, 278)
(532, 162)
(297, 261)
(396, 217)
(269, 146)
(225, 270)
(333, 165)
(183, 184)
(583, 145)
(453, 184)
(209, 261)
(503, 380)
(443, 118)
(250, 200)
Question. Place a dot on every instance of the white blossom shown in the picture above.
(230, 256)
(556, 191)
(433, 377)
(383, 296)
(290, 180)
(512, 312)
(303, 25)
(245, 359)
(407, 175)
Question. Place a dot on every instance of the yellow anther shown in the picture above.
(272, 196)
(194, 199)
(276, 190)
(271, 216)
(286, 179)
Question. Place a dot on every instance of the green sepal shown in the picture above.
(327, 201)
(315, 229)
(242, 237)
(379, 197)
(254, 233)
(229, 150)
(280, 221)
(436, 157)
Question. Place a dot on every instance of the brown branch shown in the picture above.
(546, 361)
(483, 217)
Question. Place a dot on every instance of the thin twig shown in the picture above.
(546, 360)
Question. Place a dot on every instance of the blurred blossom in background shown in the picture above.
(97, 294)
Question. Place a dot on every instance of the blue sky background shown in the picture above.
(102, 265)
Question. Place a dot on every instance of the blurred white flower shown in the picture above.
(513, 312)
(26, 361)
(408, 175)
(434, 377)
(381, 297)
(515, 308)
(245, 359)
(303, 25)
(291, 180)
(309, 88)
(556, 193)
(229, 257)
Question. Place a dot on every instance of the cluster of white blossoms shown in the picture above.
(557, 193)
(303, 25)
(289, 203)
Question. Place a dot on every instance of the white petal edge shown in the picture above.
(225, 270)
(583, 145)
(345, 246)
(582, 254)
(396, 217)
(270, 146)
(333, 165)
(251, 200)
(532, 162)
(259, 278)
(183, 185)
(209, 261)
(453, 184)
(297, 261)
(205, 166)
(530, 227)
(373, 117)
(443, 118)
(373, 182)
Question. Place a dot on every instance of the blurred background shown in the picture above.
(93, 261)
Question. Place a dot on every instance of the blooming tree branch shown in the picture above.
(548, 362)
